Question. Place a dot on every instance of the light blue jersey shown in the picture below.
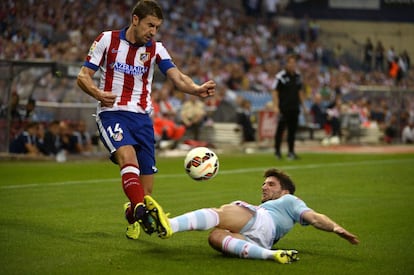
(285, 212)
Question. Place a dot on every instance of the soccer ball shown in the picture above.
(201, 163)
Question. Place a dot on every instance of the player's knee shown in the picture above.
(215, 239)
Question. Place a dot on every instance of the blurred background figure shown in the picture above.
(25, 142)
(70, 141)
(84, 137)
(193, 114)
(51, 140)
(407, 135)
(244, 119)
(168, 133)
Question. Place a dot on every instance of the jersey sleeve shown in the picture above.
(296, 207)
(163, 59)
(97, 52)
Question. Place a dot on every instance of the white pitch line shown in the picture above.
(226, 172)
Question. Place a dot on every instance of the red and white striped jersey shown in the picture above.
(126, 69)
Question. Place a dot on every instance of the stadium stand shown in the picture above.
(221, 40)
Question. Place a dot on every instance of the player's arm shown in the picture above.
(31, 149)
(302, 98)
(275, 99)
(323, 222)
(86, 83)
(185, 84)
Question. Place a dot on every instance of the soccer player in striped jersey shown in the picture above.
(126, 60)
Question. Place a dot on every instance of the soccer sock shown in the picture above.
(132, 187)
(245, 249)
(201, 219)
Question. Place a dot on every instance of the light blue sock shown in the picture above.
(201, 219)
(245, 249)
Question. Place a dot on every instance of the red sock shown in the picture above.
(131, 184)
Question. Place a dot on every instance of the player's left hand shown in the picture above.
(346, 235)
(206, 89)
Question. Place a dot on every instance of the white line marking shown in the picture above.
(226, 172)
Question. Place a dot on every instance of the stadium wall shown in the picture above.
(354, 33)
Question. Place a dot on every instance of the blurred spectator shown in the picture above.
(368, 54)
(338, 55)
(394, 70)
(252, 7)
(40, 139)
(238, 79)
(85, 140)
(313, 30)
(193, 114)
(30, 112)
(407, 135)
(51, 140)
(270, 8)
(333, 116)
(165, 126)
(70, 141)
(13, 107)
(390, 57)
(25, 142)
(304, 28)
(318, 112)
(391, 130)
(379, 56)
(406, 59)
(244, 119)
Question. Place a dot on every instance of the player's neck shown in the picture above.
(129, 36)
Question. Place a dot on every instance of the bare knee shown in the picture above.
(215, 238)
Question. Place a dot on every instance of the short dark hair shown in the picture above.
(285, 181)
(144, 8)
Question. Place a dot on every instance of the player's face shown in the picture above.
(291, 65)
(145, 29)
(271, 189)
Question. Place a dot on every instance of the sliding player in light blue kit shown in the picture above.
(250, 231)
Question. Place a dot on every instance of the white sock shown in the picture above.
(245, 249)
(201, 219)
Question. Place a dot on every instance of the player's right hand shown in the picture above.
(107, 99)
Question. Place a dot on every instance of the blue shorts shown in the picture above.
(120, 128)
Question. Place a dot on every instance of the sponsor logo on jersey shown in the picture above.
(129, 69)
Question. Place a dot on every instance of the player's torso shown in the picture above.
(288, 87)
(127, 71)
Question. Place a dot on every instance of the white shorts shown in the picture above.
(260, 230)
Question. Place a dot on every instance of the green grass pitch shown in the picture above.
(67, 218)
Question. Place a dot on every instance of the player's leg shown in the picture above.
(113, 136)
(279, 135)
(231, 217)
(292, 125)
(147, 183)
(236, 245)
(130, 174)
(143, 135)
(133, 188)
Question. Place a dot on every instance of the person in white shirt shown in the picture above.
(407, 135)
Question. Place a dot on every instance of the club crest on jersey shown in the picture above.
(144, 57)
(117, 136)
